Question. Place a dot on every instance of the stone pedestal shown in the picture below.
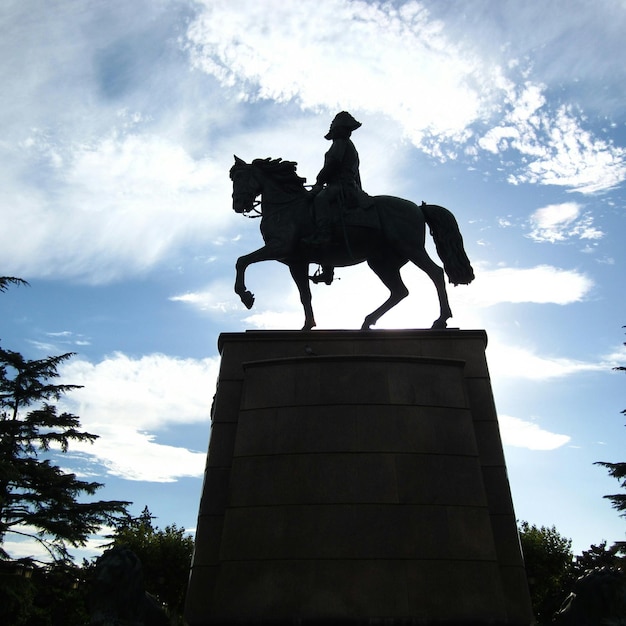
(356, 478)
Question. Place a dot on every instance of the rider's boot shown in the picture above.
(323, 275)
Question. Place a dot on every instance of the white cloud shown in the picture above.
(559, 222)
(617, 358)
(20, 547)
(361, 56)
(134, 170)
(116, 208)
(524, 434)
(508, 361)
(134, 455)
(542, 284)
(357, 291)
(563, 153)
(128, 401)
(557, 149)
(217, 298)
(353, 55)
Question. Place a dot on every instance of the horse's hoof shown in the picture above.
(248, 299)
(366, 325)
(439, 324)
(309, 325)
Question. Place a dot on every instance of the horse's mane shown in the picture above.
(281, 172)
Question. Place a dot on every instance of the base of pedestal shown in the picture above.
(356, 478)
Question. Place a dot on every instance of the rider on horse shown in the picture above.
(338, 185)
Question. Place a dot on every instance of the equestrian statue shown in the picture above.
(337, 224)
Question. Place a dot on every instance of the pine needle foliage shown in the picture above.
(38, 499)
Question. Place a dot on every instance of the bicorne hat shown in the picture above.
(345, 120)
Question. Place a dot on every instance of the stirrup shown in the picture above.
(323, 275)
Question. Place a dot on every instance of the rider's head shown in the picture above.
(342, 126)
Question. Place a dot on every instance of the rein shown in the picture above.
(259, 213)
(254, 210)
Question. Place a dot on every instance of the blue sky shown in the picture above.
(119, 124)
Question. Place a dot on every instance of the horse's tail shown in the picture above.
(449, 243)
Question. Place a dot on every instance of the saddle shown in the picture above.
(354, 207)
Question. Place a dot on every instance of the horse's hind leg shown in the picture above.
(300, 275)
(435, 273)
(388, 270)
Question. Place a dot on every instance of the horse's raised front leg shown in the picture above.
(300, 274)
(266, 253)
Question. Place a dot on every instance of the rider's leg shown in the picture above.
(325, 202)
(323, 220)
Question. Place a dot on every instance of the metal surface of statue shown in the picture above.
(117, 596)
(351, 227)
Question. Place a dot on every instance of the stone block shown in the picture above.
(327, 592)
(440, 479)
(364, 380)
(498, 491)
(216, 491)
(221, 444)
(454, 589)
(226, 402)
(199, 599)
(507, 540)
(489, 443)
(480, 398)
(313, 478)
(207, 551)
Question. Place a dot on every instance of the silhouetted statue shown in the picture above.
(117, 596)
(384, 231)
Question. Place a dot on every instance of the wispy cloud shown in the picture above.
(118, 206)
(360, 56)
(357, 291)
(217, 298)
(521, 433)
(342, 54)
(558, 149)
(510, 361)
(542, 284)
(123, 178)
(559, 222)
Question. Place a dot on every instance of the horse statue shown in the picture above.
(386, 235)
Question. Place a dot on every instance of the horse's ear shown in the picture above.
(239, 161)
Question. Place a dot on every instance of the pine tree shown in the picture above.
(617, 470)
(37, 498)
(5, 281)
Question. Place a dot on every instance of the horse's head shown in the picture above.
(246, 186)
(272, 177)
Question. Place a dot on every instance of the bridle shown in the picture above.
(254, 212)
(253, 209)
